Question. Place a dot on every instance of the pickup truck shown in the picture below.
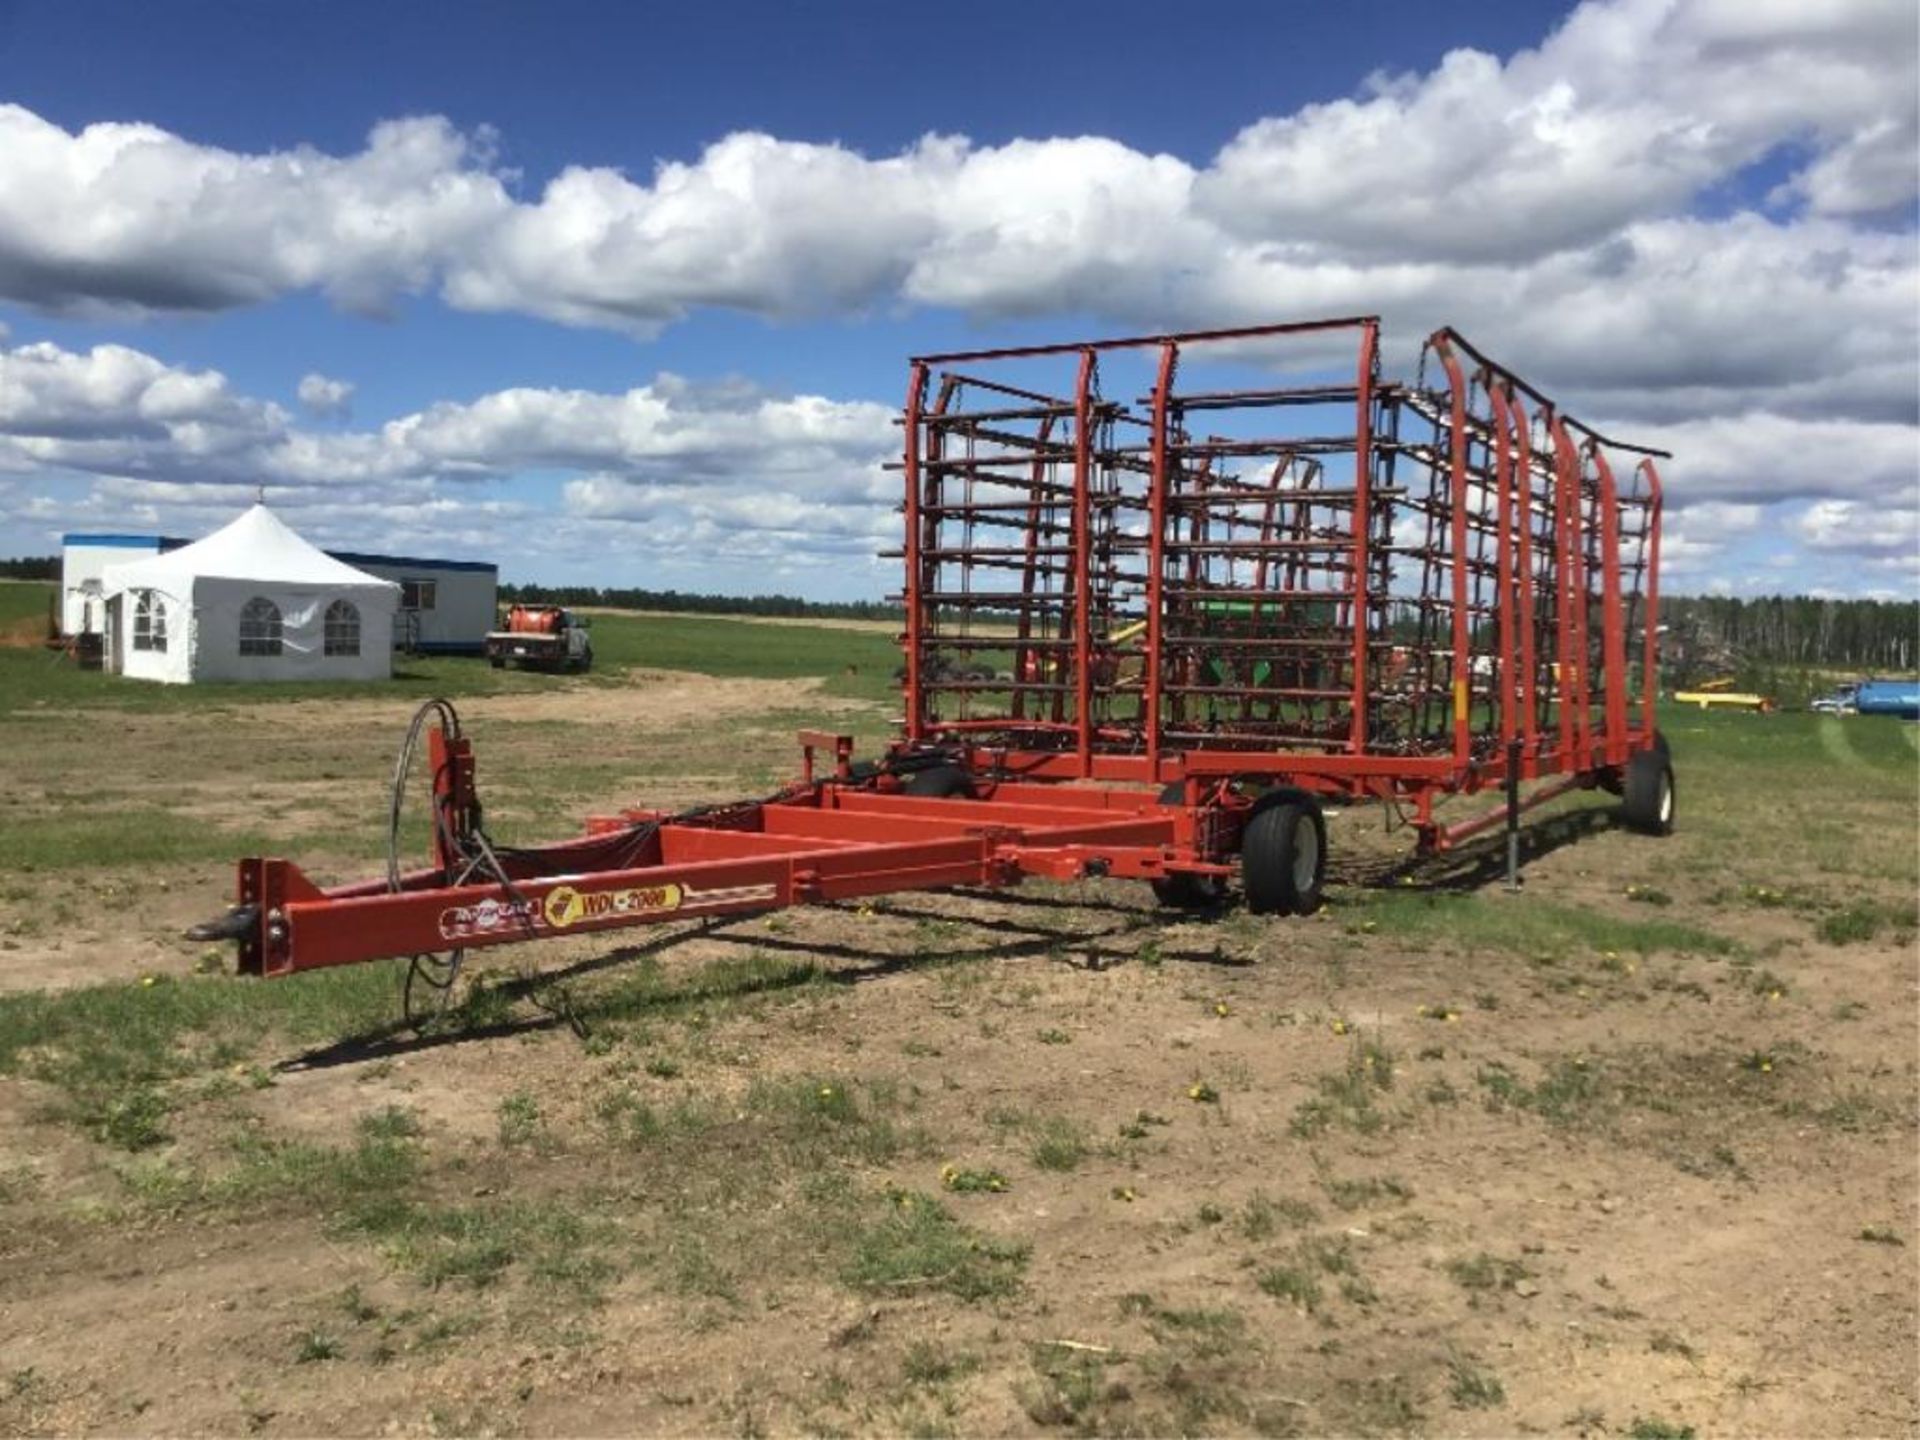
(541, 637)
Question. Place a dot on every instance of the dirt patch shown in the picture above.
(1562, 1266)
(310, 779)
(660, 699)
(1628, 1152)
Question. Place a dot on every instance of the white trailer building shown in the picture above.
(83, 558)
(446, 606)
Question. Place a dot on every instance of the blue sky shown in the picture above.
(627, 85)
(1625, 200)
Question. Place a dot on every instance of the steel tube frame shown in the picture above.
(824, 843)
(1271, 657)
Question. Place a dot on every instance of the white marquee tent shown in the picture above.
(252, 601)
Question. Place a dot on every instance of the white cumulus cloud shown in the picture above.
(323, 396)
(729, 477)
(1588, 209)
(722, 473)
(1546, 201)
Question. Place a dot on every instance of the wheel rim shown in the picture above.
(1306, 856)
(1666, 798)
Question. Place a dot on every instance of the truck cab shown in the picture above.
(542, 637)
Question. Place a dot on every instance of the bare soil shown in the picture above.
(1698, 1208)
(320, 771)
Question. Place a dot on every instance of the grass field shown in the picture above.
(1629, 1153)
(851, 662)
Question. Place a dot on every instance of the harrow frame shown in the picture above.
(1131, 629)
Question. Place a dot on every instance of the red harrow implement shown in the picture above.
(1144, 638)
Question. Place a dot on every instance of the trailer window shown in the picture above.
(417, 594)
(260, 627)
(343, 628)
(149, 622)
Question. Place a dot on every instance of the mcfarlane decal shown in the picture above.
(488, 917)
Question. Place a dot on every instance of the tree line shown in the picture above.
(1801, 630)
(1704, 632)
(681, 602)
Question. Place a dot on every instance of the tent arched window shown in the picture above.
(342, 628)
(260, 627)
(149, 622)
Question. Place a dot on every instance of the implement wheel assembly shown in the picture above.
(941, 782)
(1184, 890)
(1647, 795)
(1283, 858)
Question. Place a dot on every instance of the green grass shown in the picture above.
(119, 1053)
(1203, 1333)
(1054, 1142)
(800, 1124)
(758, 1186)
(926, 1363)
(1565, 1092)
(1484, 1272)
(916, 1245)
(853, 663)
(1058, 1144)
(1530, 925)
(1473, 1387)
(1263, 1215)
(381, 1189)
(25, 601)
(1694, 1108)
(1313, 1259)
(1349, 1098)
(113, 1051)
(973, 1181)
(1069, 1389)
(1815, 803)
(1366, 1191)
(120, 834)
(1297, 1285)
(1864, 920)
(1653, 1427)
(521, 1120)
(315, 1345)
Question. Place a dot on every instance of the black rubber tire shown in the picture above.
(1268, 850)
(1184, 890)
(1647, 795)
(497, 663)
(939, 782)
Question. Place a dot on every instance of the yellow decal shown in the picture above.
(567, 906)
(1459, 700)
